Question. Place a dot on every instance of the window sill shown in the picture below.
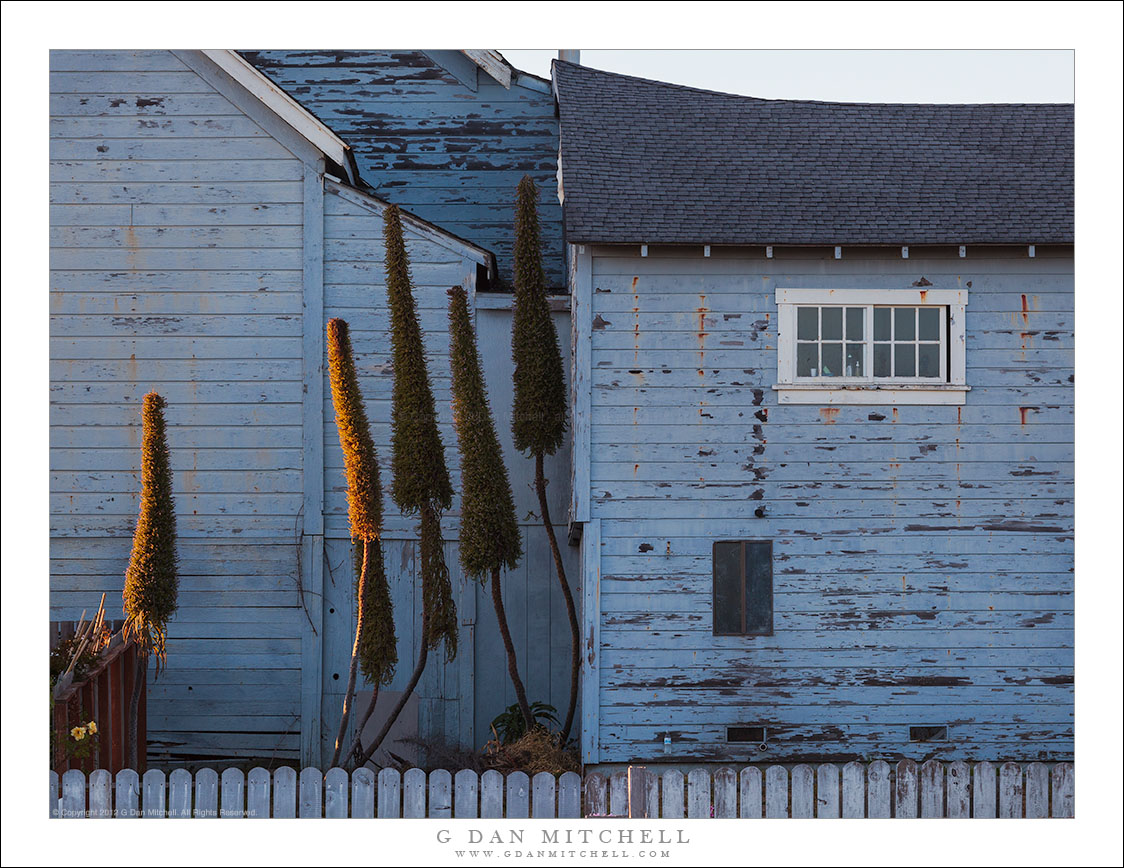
(815, 393)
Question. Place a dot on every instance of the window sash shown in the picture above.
(868, 341)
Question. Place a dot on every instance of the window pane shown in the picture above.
(727, 587)
(904, 323)
(807, 323)
(855, 317)
(854, 360)
(758, 587)
(831, 327)
(831, 360)
(929, 360)
(904, 360)
(929, 323)
(881, 360)
(807, 361)
(882, 323)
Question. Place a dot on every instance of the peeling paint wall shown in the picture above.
(428, 142)
(176, 265)
(923, 567)
(177, 257)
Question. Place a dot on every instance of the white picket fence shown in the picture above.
(875, 790)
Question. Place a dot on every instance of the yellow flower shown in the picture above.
(78, 733)
(92, 726)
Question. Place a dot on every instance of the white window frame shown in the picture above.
(951, 389)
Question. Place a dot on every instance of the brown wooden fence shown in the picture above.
(102, 696)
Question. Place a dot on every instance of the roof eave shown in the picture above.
(302, 121)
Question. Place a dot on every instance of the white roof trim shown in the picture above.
(492, 62)
(284, 106)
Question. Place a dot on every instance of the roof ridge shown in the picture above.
(565, 64)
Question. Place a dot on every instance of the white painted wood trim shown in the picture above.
(943, 393)
(958, 345)
(897, 391)
(283, 105)
(905, 296)
(492, 62)
(786, 343)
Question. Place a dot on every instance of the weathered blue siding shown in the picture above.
(196, 253)
(428, 141)
(923, 554)
(458, 700)
(176, 265)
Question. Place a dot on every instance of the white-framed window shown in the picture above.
(871, 346)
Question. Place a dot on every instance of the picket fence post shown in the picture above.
(311, 782)
(335, 794)
(569, 796)
(257, 794)
(673, 804)
(363, 794)
(1061, 787)
(518, 796)
(233, 804)
(466, 792)
(878, 790)
(390, 793)
(932, 789)
(959, 791)
(596, 795)
(803, 800)
(285, 793)
(854, 791)
(827, 791)
(542, 796)
(101, 795)
(776, 792)
(206, 793)
(491, 795)
(751, 798)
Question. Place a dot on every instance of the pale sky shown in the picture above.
(953, 76)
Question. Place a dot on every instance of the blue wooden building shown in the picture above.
(446, 134)
(204, 226)
(821, 479)
(823, 404)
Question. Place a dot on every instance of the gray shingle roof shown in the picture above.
(650, 162)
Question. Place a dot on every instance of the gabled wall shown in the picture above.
(197, 250)
(923, 555)
(448, 143)
(177, 265)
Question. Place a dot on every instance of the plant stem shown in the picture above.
(354, 668)
(423, 655)
(357, 744)
(567, 595)
(509, 648)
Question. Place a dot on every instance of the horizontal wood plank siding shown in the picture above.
(457, 700)
(176, 265)
(923, 566)
(425, 140)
